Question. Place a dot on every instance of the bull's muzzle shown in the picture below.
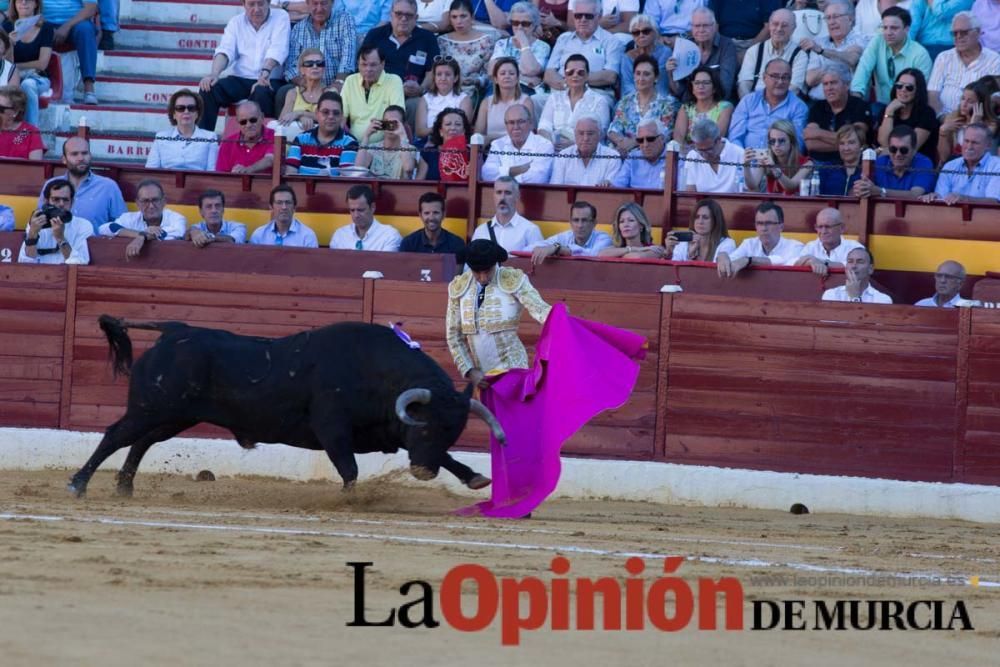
(423, 473)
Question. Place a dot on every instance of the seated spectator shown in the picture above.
(645, 102)
(506, 93)
(368, 92)
(903, 173)
(368, 14)
(908, 106)
(588, 161)
(713, 165)
(508, 228)
(445, 93)
(974, 107)
(838, 178)
(842, 45)
(746, 23)
(948, 281)
(409, 51)
(564, 106)
(327, 147)
(446, 156)
(645, 165)
(709, 235)
(331, 32)
(933, 23)
(615, 16)
(283, 229)
(433, 238)
(186, 146)
(433, 15)
(837, 109)
(492, 14)
(778, 46)
(646, 42)
(152, 222)
(705, 93)
(253, 48)
(989, 19)
(858, 271)
(97, 198)
(7, 218)
(971, 177)
(780, 168)
(718, 54)
(889, 52)
(299, 110)
(18, 139)
(956, 68)
(755, 112)
(582, 239)
(468, 46)
(768, 248)
(517, 153)
(213, 227)
(32, 47)
(555, 19)
(49, 240)
(393, 157)
(632, 234)
(601, 49)
(72, 22)
(829, 249)
(364, 232)
(529, 51)
(251, 149)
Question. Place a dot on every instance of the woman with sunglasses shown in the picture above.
(909, 106)
(300, 103)
(564, 107)
(645, 103)
(709, 235)
(975, 106)
(838, 180)
(32, 39)
(526, 47)
(780, 168)
(469, 47)
(17, 138)
(445, 93)
(506, 92)
(646, 38)
(186, 146)
(632, 234)
(705, 89)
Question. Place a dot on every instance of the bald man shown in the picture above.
(829, 249)
(948, 281)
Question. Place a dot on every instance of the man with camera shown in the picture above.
(54, 235)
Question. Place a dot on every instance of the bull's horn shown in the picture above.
(415, 395)
(483, 412)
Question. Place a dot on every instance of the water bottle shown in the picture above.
(805, 187)
(741, 185)
(814, 183)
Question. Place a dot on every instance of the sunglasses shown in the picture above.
(313, 63)
(646, 140)
(959, 34)
(443, 59)
(584, 16)
(4, 109)
(521, 24)
(642, 31)
(185, 107)
(252, 121)
(908, 87)
(576, 72)
(777, 141)
(902, 150)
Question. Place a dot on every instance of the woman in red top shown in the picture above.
(17, 138)
(780, 168)
(555, 19)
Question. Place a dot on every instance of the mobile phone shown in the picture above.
(389, 124)
(683, 236)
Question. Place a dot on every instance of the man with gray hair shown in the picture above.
(721, 54)
(838, 108)
(520, 154)
(714, 164)
(589, 161)
(778, 46)
(646, 164)
(511, 230)
(843, 44)
(948, 281)
(601, 49)
(251, 148)
(956, 68)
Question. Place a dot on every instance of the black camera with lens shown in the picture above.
(50, 211)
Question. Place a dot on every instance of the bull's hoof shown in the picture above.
(349, 486)
(78, 490)
(123, 491)
(478, 482)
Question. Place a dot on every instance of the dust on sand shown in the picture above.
(253, 570)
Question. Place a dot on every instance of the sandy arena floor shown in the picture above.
(252, 571)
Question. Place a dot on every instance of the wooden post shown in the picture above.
(69, 339)
(961, 393)
(662, 377)
(475, 150)
(82, 130)
(278, 168)
(669, 186)
(867, 206)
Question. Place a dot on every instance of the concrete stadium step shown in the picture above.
(140, 90)
(109, 147)
(190, 63)
(141, 36)
(192, 12)
(134, 119)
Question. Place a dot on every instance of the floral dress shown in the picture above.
(472, 57)
(628, 115)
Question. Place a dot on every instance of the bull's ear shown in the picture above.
(467, 393)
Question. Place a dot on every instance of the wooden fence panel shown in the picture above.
(981, 447)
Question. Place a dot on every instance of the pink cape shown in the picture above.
(581, 368)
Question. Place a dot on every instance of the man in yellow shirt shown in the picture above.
(369, 91)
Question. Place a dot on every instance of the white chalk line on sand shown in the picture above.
(930, 577)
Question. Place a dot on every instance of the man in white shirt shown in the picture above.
(48, 239)
(152, 222)
(829, 249)
(512, 230)
(956, 68)
(858, 289)
(588, 161)
(364, 232)
(768, 248)
(254, 46)
(214, 228)
(580, 240)
(601, 49)
(520, 154)
(714, 164)
(780, 27)
(948, 281)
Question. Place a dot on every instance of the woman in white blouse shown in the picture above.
(185, 146)
(709, 235)
(564, 106)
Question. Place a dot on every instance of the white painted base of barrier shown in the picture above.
(667, 483)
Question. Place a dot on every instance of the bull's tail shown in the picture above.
(120, 344)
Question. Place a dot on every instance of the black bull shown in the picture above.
(345, 388)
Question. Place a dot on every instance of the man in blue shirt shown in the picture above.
(326, 148)
(98, 198)
(744, 21)
(903, 173)
(283, 229)
(755, 112)
(433, 238)
(214, 228)
(974, 177)
(645, 165)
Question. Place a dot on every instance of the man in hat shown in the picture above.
(484, 310)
